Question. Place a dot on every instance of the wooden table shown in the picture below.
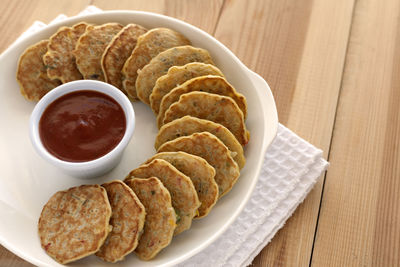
(334, 68)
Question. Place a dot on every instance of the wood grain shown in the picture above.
(10, 260)
(200, 13)
(359, 221)
(303, 62)
(17, 16)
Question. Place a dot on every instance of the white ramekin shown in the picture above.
(96, 167)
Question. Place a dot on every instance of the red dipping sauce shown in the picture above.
(82, 126)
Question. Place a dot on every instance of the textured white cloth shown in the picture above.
(291, 168)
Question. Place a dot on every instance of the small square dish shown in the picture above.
(27, 181)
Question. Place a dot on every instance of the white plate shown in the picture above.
(27, 181)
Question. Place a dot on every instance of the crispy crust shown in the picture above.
(188, 125)
(148, 46)
(59, 59)
(211, 149)
(216, 108)
(75, 223)
(90, 48)
(176, 76)
(127, 221)
(210, 84)
(160, 218)
(118, 51)
(32, 74)
(159, 65)
(184, 196)
(200, 172)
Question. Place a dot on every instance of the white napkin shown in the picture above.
(291, 168)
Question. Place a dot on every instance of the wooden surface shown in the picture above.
(334, 68)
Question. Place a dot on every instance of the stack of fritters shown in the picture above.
(202, 132)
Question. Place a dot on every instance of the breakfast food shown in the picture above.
(148, 46)
(118, 51)
(160, 64)
(200, 172)
(211, 84)
(160, 216)
(199, 145)
(211, 149)
(220, 109)
(183, 194)
(59, 60)
(127, 221)
(90, 48)
(74, 223)
(176, 76)
(188, 125)
(32, 74)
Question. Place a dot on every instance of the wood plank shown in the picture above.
(303, 62)
(200, 13)
(360, 213)
(19, 15)
(10, 260)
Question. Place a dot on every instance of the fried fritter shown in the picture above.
(159, 66)
(118, 51)
(90, 48)
(216, 108)
(127, 221)
(148, 46)
(210, 84)
(32, 73)
(183, 194)
(211, 149)
(200, 172)
(59, 60)
(160, 216)
(176, 76)
(188, 125)
(75, 223)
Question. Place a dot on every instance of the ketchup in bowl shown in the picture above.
(82, 126)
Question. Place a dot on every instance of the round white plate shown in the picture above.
(27, 181)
